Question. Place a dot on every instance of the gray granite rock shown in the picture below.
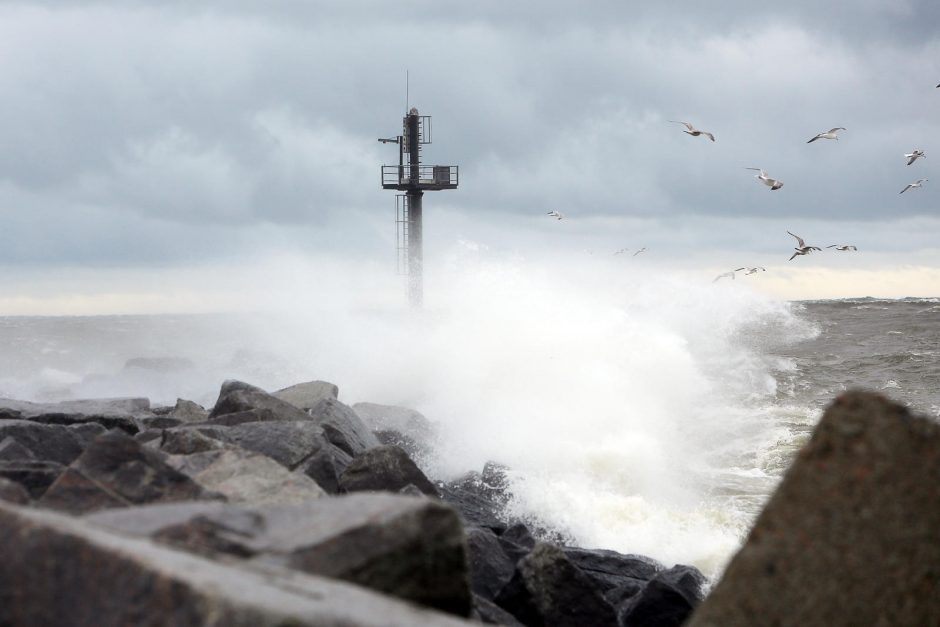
(850, 537)
(385, 468)
(188, 411)
(238, 396)
(307, 395)
(343, 427)
(12, 492)
(54, 443)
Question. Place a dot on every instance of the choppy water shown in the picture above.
(645, 416)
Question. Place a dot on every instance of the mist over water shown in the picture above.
(638, 412)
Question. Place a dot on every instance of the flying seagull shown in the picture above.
(694, 132)
(802, 248)
(915, 184)
(843, 248)
(913, 156)
(642, 250)
(766, 180)
(723, 275)
(621, 251)
(830, 134)
(556, 215)
(753, 270)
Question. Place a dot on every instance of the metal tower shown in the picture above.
(413, 178)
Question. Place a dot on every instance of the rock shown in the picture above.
(610, 569)
(112, 413)
(390, 437)
(407, 422)
(548, 589)
(622, 594)
(307, 395)
(490, 567)
(241, 417)
(34, 476)
(160, 364)
(104, 578)
(326, 466)
(188, 412)
(12, 492)
(11, 451)
(158, 422)
(406, 547)
(850, 537)
(343, 427)
(86, 432)
(666, 601)
(478, 503)
(187, 442)
(117, 469)
(289, 443)
(237, 396)
(54, 443)
(412, 548)
(150, 437)
(490, 613)
(245, 477)
(385, 468)
(516, 541)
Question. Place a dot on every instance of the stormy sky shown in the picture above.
(143, 142)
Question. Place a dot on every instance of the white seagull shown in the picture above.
(753, 270)
(766, 180)
(843, 248)
(913, 156)
(556, 215)
(694, 132)
(642, 250)
(914, 185)
(830, 134)
(723, 275)
(802, 248)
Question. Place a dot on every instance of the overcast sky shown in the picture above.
(141, 142)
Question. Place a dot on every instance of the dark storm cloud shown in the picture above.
(213, 118)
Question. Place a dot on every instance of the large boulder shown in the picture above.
(13, 492)
(610, 569)
(850, 537)
(307, 395)
(343, 427)
(35, 476)
(480, 497)
(237, 396)
(490, 567)
(326, 466)
(666, 601)
(13, 451)
(289, 443)
(57, 568)
(407, 422)
(188, 412)
(117, 470)
(54, 443)
(548, 589)
(112, 413)
(245, 477)
(385, 468)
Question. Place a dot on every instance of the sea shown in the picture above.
(648, 416)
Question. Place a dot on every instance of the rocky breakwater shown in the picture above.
(283, 508)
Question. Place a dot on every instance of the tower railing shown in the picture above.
(429, 176)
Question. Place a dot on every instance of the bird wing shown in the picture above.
(799, 239)
(838, 128)
(912, 159)
(793, 255)
(909, 185)
(687, 125)
(709, 135)
(814, 139)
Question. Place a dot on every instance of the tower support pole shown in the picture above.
(415, 249)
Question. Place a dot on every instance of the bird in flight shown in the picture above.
(913, 156)
(915, 185)
(556, 214)
(766, 180)
(801, 248)
(753, 270)
(621, 251)
(694, 132)
(642, 250)
(724, 274)
(843, 248)
(830, 134)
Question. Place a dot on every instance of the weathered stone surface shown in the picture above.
(157, 422)
(34, 476)
(666, 601)
(548, 589)
(385, 468)
(86, 432)
(287, 442)
(390, 437)
(112, 413)
(408, 422)
(11, 450)
(137, 582)
(491, 614)
(490, 567)
(241, 417)
(517, 541)
(237, 396)
(478, 502)
(610, 569)
(408, 547)
(187, 442)
(307, 395)
(54, 443)
(188, 411)
(850, 537)
(245, 477)
(13, 492)
(119, 466)
(326, 466)
(343, 427)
